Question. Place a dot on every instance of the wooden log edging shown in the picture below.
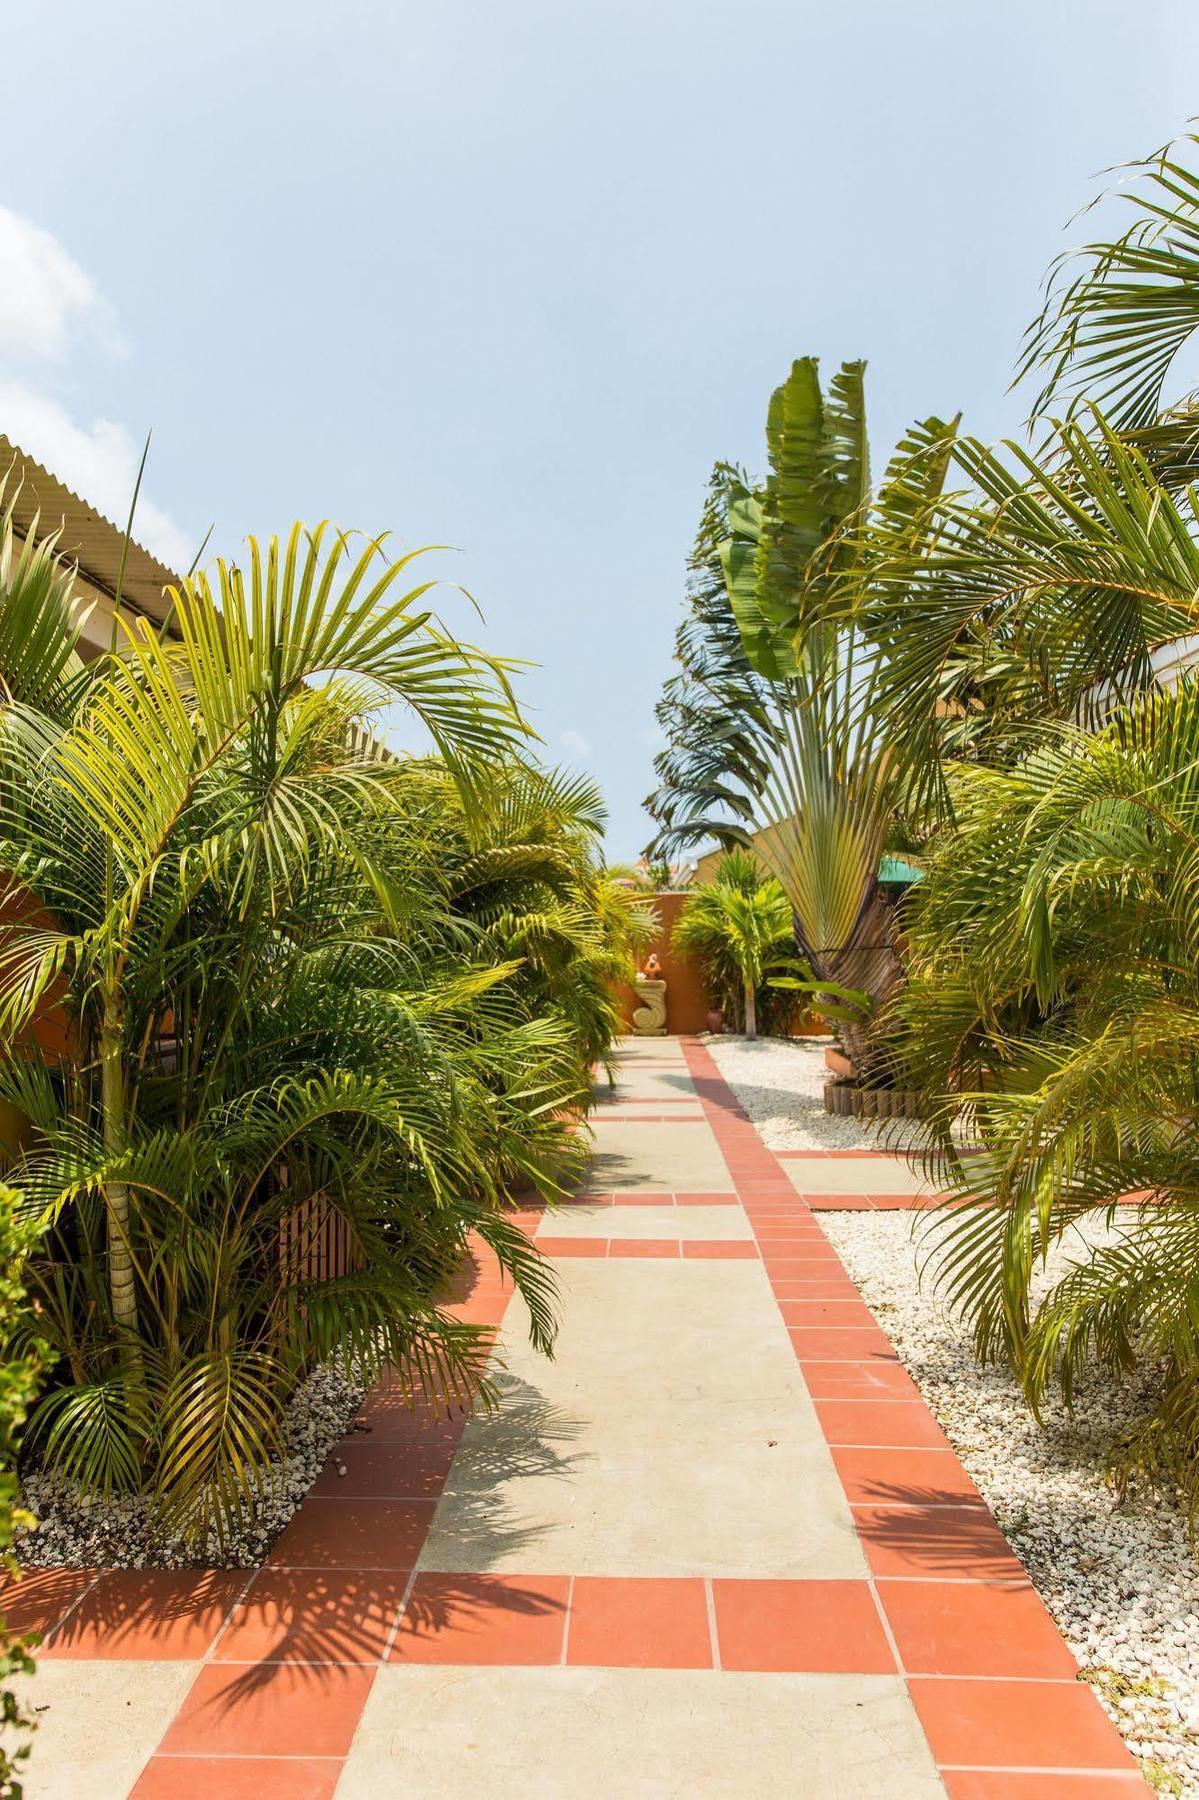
(844, 1099)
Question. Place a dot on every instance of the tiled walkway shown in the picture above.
(717, 1546)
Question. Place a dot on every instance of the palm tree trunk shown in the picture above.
(869, 961)
(122, 1288)
(751, 1011)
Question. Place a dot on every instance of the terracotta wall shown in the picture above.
(49, 1031)
(687, 999)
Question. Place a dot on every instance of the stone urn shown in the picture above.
(649, 1014)
(714, 1021)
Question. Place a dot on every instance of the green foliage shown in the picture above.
(19, 1375)
(987, 659)
(819, 478)
(1039, 592)
(739, 927)
(1036, 683)
(315, 993)
(1053, 1006)
(713, 712)
(1113, 329)
(794, 756)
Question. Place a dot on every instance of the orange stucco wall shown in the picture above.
(687, 999)
(50, 1022)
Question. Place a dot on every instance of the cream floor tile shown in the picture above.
(582, 1734)
(98, 1724)
(660, 1156)
(853, 1175)
(650, 1050)
(670, 1086)
(671, 1434)
(663, 1512)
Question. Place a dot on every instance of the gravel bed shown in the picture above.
(121, 1533)
(780, 1083)
(1120, 1580)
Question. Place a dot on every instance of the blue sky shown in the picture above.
(511, 277)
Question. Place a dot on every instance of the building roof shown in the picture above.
(87, 537)
(897, 869)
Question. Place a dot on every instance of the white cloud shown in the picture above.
(575, 743)
(46, 299)
(98, 460)
(49, 306)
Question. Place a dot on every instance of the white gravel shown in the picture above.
(1121, 1581)
(121, 1533)
(780, 1083)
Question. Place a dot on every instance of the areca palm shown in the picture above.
(1044, 590)
(184, 764)
(281, 1024)
(739, 925)
(1034, 679)
(1118, 312)
(1053, 1006)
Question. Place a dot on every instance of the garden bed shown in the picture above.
(780, 1082)
(122, 1533)
(1120, 1579)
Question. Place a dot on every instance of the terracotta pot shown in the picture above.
(714, 1021)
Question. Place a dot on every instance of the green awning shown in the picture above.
(894, 870)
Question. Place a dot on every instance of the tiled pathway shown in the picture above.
(718, 1546)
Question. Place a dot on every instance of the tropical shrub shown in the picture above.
(19, 1375)
(990, 659)
(739, 928)
(306, 990)
(1050, 1010)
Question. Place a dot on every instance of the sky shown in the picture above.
(509, 278)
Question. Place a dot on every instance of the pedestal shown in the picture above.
(649, 1015)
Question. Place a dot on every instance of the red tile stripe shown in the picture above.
(946, 1601)
(612, 1110)
(994, 1684)
(728, 1249)
(331, 1594)
(642, 1197)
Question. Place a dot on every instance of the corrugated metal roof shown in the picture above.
(87, 536)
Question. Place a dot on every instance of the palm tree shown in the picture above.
(739, 924)
(281, 1020)
(1118, 312)
(803, 764)
(1052, 1010)
(1034, 676)
(712, 712)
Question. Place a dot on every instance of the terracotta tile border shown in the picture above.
(288, 1653)
(290, 1657)
(613, 1111)
(716, 1249)
(994, 1684)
